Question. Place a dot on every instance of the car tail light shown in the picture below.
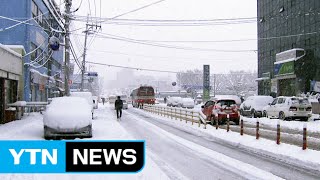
(292, 109)
(309, 109)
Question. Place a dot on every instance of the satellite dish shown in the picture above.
(54, 43)
(174, 83)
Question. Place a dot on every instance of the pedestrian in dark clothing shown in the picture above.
(165, 100)
(103, 99)
(118, 105)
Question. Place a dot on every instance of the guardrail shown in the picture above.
(194, 116)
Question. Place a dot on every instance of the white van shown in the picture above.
(85, 95)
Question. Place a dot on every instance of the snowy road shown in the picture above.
(192, 164)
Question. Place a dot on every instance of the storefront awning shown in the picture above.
(286, 60)
(262, 78)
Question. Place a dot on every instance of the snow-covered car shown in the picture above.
(218, 110)
(187, 103)
(125, 104)
(174, 101)
(284, 107)
(87, 96)
(253, 105)
(95, 102)
(68, 117)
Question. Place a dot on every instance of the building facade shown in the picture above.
(42, 66)
(288, 46)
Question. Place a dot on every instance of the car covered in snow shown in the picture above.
(187, 103)
(253, 105)
(68, 117)
(219, 109)
(174, 101)
(287, 108)
(87, 96)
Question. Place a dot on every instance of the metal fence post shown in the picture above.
(199, 119)
(241, 127)
(191, 117)
(304, 145)
(228, 123)
(217, 123)
(278, 132)
(180, 115)
(186, 116)
(257, 129)
(175, 113)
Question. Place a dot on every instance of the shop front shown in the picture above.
(10, 78)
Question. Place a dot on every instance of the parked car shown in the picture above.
(95, 102)
(217, 110)
(68, 117)
(253, 105)
(87, 96)
(125, 104)
(187, 103)
(284, 107)
(174, 101)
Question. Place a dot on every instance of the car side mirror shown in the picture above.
(202, 106)
(269, 104)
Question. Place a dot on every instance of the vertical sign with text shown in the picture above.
(206, 83)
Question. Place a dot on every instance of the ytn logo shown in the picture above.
(71, 156)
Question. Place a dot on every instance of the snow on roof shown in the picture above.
(10, 50)
(17, 47)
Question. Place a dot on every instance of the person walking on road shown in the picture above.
(103, 100)
(118, 106)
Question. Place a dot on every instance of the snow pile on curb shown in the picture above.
(246, 170)
(290, 154)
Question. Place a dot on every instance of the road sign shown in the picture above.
(206, 83)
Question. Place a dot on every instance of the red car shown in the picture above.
(219, 109)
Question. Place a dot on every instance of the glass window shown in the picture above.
(40, 19)
(274, 101)
(34, 9)
(33, 55)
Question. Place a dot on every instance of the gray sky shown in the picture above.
(175, 60)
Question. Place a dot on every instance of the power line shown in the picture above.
(166, 45)
(127, 67)
(155, 70)
(134, 10)
(172, 58)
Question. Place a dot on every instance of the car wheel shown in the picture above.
(282, 116)
(252, 114)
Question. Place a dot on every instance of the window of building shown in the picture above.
(33, 55)
(40, 18)
(34, 9)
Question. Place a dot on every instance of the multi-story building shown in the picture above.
(31, 23)
(288, 46)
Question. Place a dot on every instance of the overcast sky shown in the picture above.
(172, 59)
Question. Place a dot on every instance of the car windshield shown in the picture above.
(227, 103)
(299, 101)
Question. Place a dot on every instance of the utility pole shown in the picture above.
(84, 54)
(68, 4)
(87, 32)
